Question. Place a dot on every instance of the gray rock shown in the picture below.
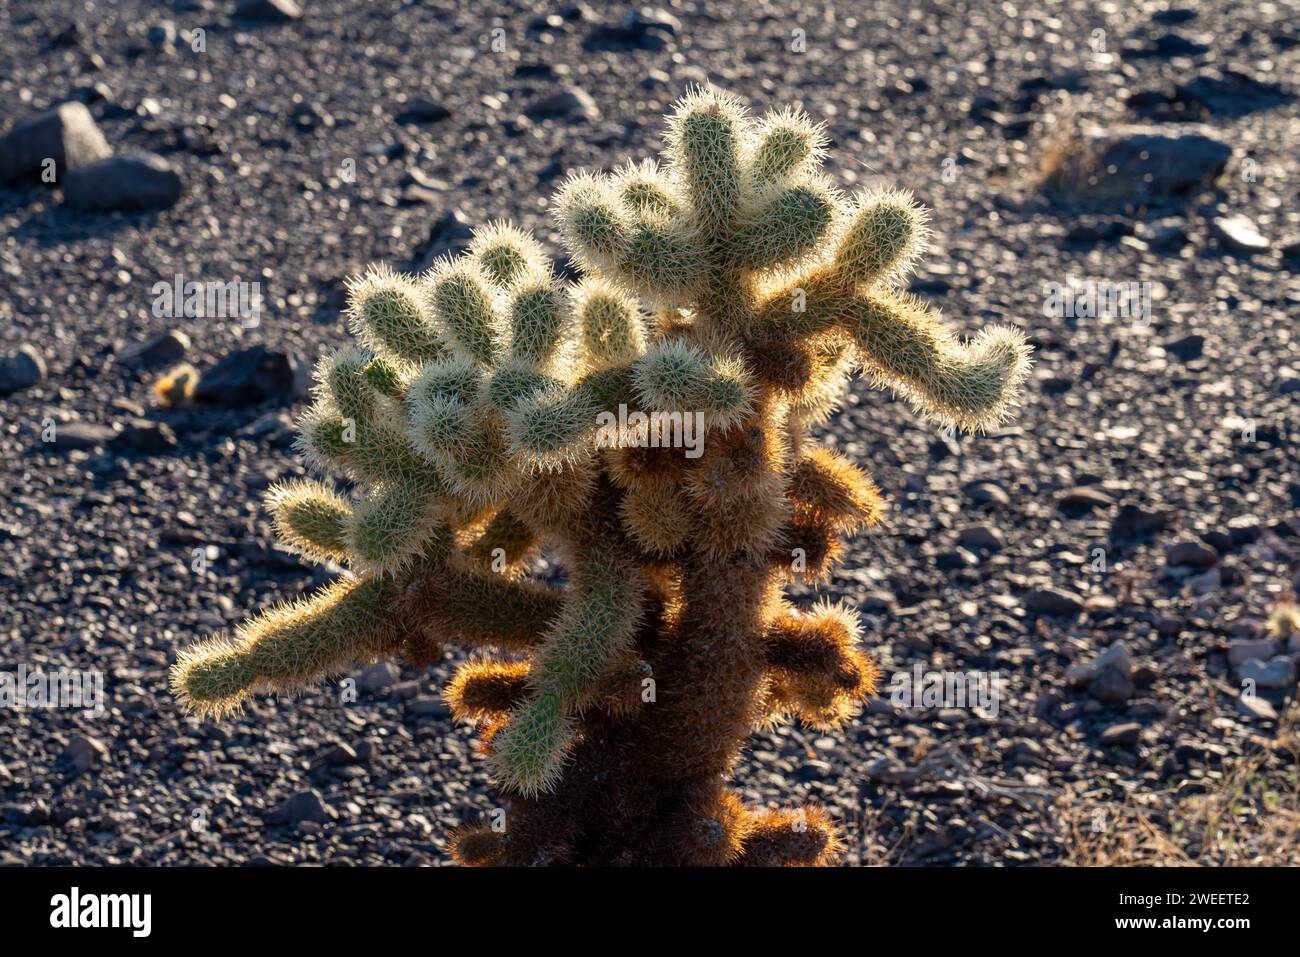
(379, 677)
(1152, 161)
(1187, 347)
(1255, 708)
(21, 369)
(163, 35)
(423, 111)
(1240, 233)
(247, 376)
(132, 182)
(1085, 498)
(148, 437)
(1115, 658)
(66, 134)
(1242, 651)
(82, 435)
(987, 493)
(428, 706)
(1112, 687)
(300, 807)
(84, 752)
(1053, 601)
(268, 11)
(1190, 552)
(981, 536)
(1123, 735)
(1276, 673)
(449, 236)
(646, 29)
(1132, 521)
(162, 350)
(571, 104)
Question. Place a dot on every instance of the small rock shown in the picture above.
(1112, 686)
(133, 182)
(1239, 652)
(428, 706)
(1239, 232)
(163, 35)
(1188, 347)
(255, 374)
(84, 752)
(148, 437)
(1152, 161)
(571, 104)
(1277, 673)
(1123, 735)
(639, 30)
(1084, 499)
(1133, 521)
(340, 755)
(268, 11)
(1116, 658)
(66, 134)
(82, 435)
(987, 493)
(303, 806)
(1053, 601)
(450, 235)
(982, 536)
(166, 349)
(1255, 708)
(21, 369)
(1190, 552)
(423, 111)
(379, 677)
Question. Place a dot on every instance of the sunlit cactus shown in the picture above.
(650, 425)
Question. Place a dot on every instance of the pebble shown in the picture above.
(21, 369)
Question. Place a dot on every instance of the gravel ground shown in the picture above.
(1135, 437)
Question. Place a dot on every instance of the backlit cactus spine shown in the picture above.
(731, 286)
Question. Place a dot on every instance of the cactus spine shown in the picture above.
(732, 286)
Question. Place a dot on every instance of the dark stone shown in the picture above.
(1188, 347)
(1053, 601)
(268, 11)
(423, 111)
(640, 30)
(1133, 521)
(450, 235)
(1160, 163)
(162, 350)
(571, 104)
(141, 435)
(303, 806)
(82, 435)
(21, 369)
(134, 182)
(255, 374)
(1192, 553)
(1086, 498)
(66, 134)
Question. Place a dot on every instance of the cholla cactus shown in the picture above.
(727, 295)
